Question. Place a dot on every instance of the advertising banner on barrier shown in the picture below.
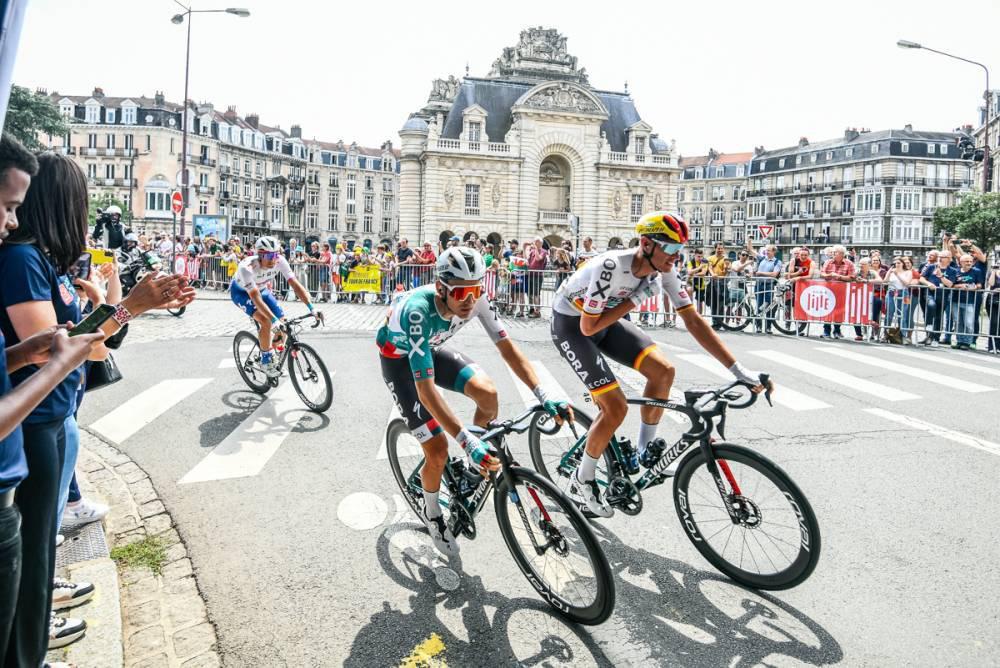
(833, 301)
(364, 278)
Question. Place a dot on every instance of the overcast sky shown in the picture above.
(728, 75)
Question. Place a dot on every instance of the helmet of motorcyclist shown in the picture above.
(113, 210)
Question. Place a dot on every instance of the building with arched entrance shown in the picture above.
(515, 153)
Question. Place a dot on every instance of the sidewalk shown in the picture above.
(147, 610)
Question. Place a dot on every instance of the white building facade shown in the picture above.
(514, 154)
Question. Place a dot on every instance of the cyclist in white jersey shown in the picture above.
(587, 325)
(250, 290)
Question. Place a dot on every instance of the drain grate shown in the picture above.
(83, 544)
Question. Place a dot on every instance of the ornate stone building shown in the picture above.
(712, 198)
(514, 153)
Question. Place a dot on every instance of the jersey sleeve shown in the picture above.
(595, 298)
(415, 321)
(245, 276)
(284, 268)
(487, 315)
(674, 289)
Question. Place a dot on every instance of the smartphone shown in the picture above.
(90, 324)
(101, 256)
(81, 269)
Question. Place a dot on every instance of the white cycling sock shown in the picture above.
(431, 506)
(647, 432)
(588, 468)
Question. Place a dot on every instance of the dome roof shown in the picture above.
(415, 124)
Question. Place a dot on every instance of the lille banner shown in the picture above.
(364, 278)
(833, 301)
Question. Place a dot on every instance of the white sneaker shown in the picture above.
(589, 493)
(64, 630)
(443, 539)
(84, 512)
(66, 594)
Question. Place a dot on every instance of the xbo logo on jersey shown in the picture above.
(606, 275)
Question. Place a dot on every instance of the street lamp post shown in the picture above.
(178, 19)
(132, 181)
(906, 44)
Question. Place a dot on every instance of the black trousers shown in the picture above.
(37, 498)
(10, 569)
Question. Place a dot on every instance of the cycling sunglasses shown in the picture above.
(462, 292)
(669, 248)
(268, 255)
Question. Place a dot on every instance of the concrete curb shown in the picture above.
(164, 622)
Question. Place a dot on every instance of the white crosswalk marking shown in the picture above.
(146, 406)
(783, 396)
(247, 450)
(929, 376)
(829, 374)
(545, 379)
(637, 383)
(944, 360)
(227, 363)
(978, 357)
(956, 436)
(408, 447)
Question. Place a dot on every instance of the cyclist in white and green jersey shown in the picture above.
(415, 363)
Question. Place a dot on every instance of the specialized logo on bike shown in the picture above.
(817, 301)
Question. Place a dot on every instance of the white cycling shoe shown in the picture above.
(271, 369)
(443, 539)
(589, 494)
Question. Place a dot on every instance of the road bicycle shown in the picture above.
(308, 372)
(739, 509)
(549, 538)
(778, 313)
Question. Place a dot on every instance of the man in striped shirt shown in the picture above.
(837, 268)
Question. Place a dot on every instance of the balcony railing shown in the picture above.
(296, 203)
(553, 217)
(103, 152)
(296, 179)
(465, 146)
(111, 183)
(619, 157)
(205, 190)
(224, 194)
(225, 169)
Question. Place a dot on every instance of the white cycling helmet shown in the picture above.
(132, 236)
(113, 209)
(268, 244)
(461, 264)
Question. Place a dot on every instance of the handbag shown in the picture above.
(102, 373)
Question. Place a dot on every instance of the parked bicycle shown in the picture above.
(739, 509)
(549, 538)
(779, 312)
(308, 372)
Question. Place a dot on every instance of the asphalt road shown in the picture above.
(312, 559)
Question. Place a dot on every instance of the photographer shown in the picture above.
(110, 218)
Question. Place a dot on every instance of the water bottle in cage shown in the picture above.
(630, 456)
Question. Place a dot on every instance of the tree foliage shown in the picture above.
(32, 114)
(975, 217)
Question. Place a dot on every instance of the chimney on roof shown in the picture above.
(967, 129)
(98, 93)
(230, 114)
(158, 98)
(297, 131)
(803, 141)
(757, 150)
(387, 145)
(41, 91)
(253, 120)
(850, 134)
(908, 127)
(712, 154)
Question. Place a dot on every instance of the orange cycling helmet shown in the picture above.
(663, 226)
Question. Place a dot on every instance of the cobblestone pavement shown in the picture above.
(164, 619)
(212, 314)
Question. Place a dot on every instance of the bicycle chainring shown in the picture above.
(624, 495)
(460, 520)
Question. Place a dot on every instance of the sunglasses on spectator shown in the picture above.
(462, 292)
(268, 255)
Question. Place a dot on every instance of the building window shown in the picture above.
(867, 230)
(331, 221)
(369, 183)
(680, 194)
(849, 153)
(874, 148)
(246, 189)
(758, 208)
(943, 149)
(827, 205)
(203, 207)
(475, 131)
(128, 115)
(333, 201)
(779, 207)
(847, 201)
(781, 164)
(740, 170)
(698, 173)
(931, 148)
(870, 200)
(904, 147)
(93, 114)
(697, 194)
(386, 164)
(697, 215)
(636, 209)
(796, 207)
(718, 216)
(387, 185)
(906, 199)
(109, 171)
(905, 230)
(739, 215)
(312, 220)
(313, 198)
(386, 203)
(370, 203)
(471, 199)
(351, 194)
(258, 192)
(157, 200)
(334, 179)
(109, 116)
(129, 142)
(810, 206)
(798, 160)
(92, 140)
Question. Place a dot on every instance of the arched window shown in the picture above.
(554, 184)
(718, 215)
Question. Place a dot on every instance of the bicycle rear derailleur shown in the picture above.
(624, 495)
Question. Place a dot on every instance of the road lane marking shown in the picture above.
(425, 654)
(956, 436)
(637, 382)
(551, 386)
(944, 360)
(146, 406)
(406, 446)
(929, 376)
(783, 395)
(825, 373)
(227, 363)
(246, 451)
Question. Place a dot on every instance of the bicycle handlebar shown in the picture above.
(699, 400)
(517, 425)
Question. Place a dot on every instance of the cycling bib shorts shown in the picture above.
(242, 299)
(622, 341)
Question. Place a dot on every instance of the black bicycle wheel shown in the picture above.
(775, 544)
(548, 451)
(737, 317)
(783, 313)
(554, 546)
(405, 459)
(177, 312)
(310, 377)
(246, 350)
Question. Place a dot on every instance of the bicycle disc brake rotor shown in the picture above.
(554, 538)
(461, 521)
(624, 495)
(747, 511)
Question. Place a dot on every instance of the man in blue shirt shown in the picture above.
(768, 270)
(938, 278)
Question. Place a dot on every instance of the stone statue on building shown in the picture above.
(540, 54)
(444, 90)
(495, 195)
(617, 202)
(449, 195)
